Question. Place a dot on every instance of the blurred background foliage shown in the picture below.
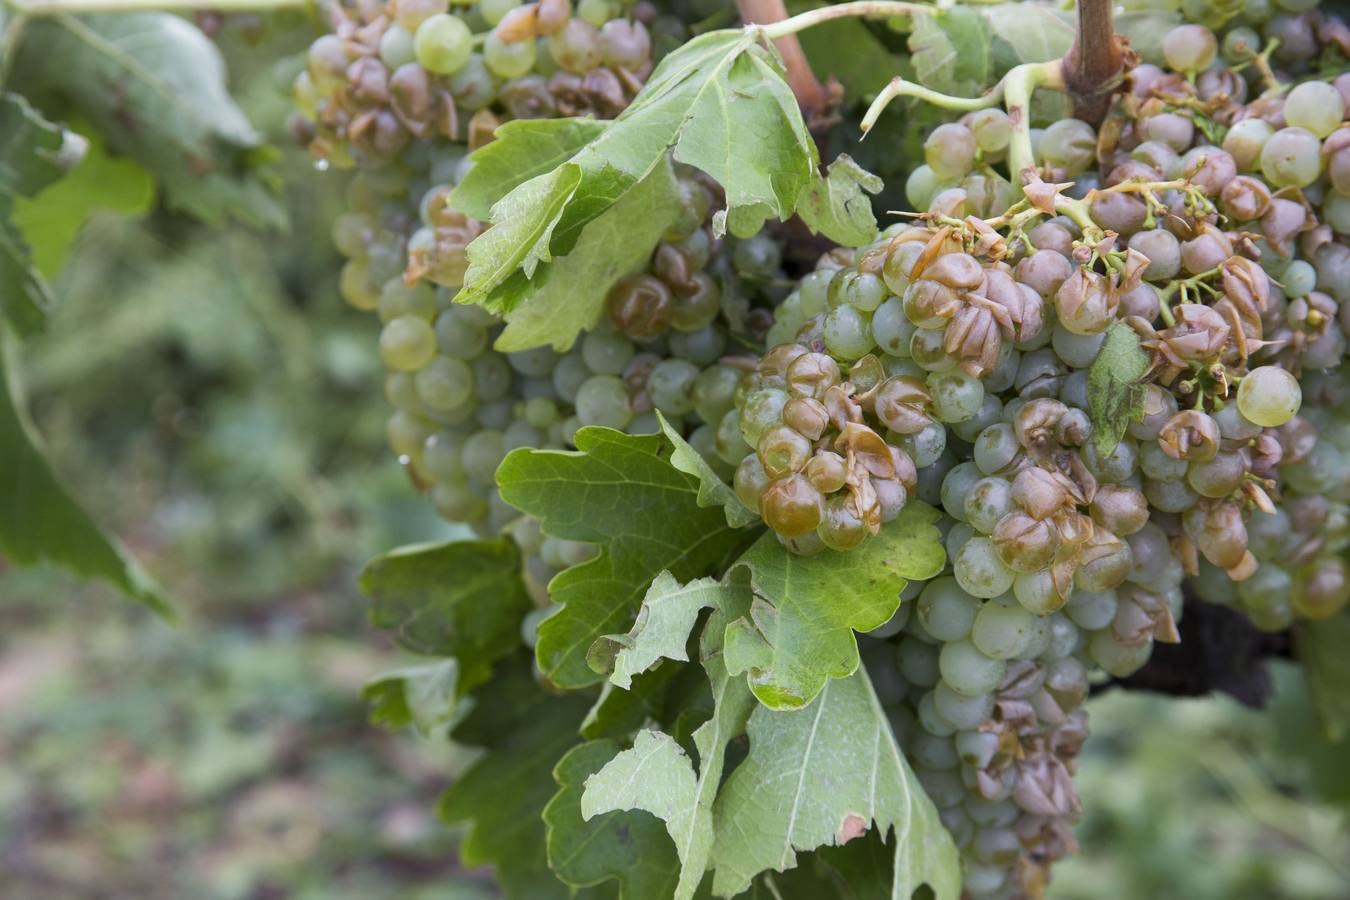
(214, 403)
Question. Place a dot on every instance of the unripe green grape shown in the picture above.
(670, 386)
(946, 611)
(927, 350)
(577, 47)
(472, 85)
(931, 751)
(980, 571)
(492, 11)
(457, 336)
(925, 446)
(412, 13)
(956, 485)
(750, 481)
(714, 392)
(1291, 158)
(606, 352)
(761, 410)
(396, 47)
(354, 286)
(865, 292)
(444, 383)
(967, 671)
(483, 452)
(1116, 658)
(730, 441)
(782, 450)
(988, 501)
(847, 333)
(922, 186)
(956, 395)
(950, 150)
(1300, 279)
(1336, 211)
(992, 129)
(957, 537)
(1035, 591)
(931, 721)
(996, 448)
(989, 413)
(458, 502)
(1190, 48)
(1269, 396)
(1002, 629)
(407, 343)
(443, 44)
(917, 661)
(1070, 144)
(1316, 106)
(1245, 141)
(491, 377)
(407, 434)
(1077, 350)
(891, 328)
(603, 400)
(508, 60)
(962, 710)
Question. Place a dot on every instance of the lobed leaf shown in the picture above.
(949, 50)
(39, 521)
(821, 776)
(29, 145)
(712, 490)
(463, 599)
(1321, 647)
(838, 204)
(425, 696)
(664, 623)
(519, 150)
(799, 630)
(618, 491)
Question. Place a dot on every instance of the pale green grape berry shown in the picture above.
(956, 395)
(1316, 106)
(847, 333)
(968, 671)
(1299, 279)
(1002, 630)
(945, 610)
(444, 383)
(508, 60)
(963, 711)
(603, 400)
(396, 47)
(443, 44)
(407, 343)
(1190, 48)
(493, 11)
(1269, 396)
(979, 570)
(1291, 158)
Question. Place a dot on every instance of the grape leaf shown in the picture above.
(1032, 32)
(461, 598)
(1322, 650)
(816, 777)
(524, 731)
(52, 219)
(799, 631)
(618, 491)
(1115, 392)
(583, 851)
(29, 145)
(712, 490)
(154, 86)
(617, 243)
(39, 521)
(655, 695)
(519, 151)
(1146, 29)
(656, 775)
(424, 696)
(661, 631)
(950, 51)
(719, 103)
(839, 204)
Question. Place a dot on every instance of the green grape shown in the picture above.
(595, 12)
(1070, 144)
(458, 502)
(1245, 141)
(925, 446)
(398, 299)
(980, 571)
(1291, 158)
(946, 611)
(483, 451)
(507, 60)
(606, 352)
(670, 386)
(968, 671)
(603, 400)
(491, 377)
(956, 395)
(996, 448)
(1190, 48)
(407, 343)
(1116, 658)
(492, 11)
(950, 150)
(569, 375)
(1300, 279)
(442, 457)
(922, 186)
(473, 85)
(459, 337)
(577, 47)
(354, 286)
(956, 486)
(396, 47)
(891, 328)
(1269, 396)
(443, 44)
(988, 501)
(847, 333)
(917, 661)
(962, 710)
(1315, 106)
(444, 383)
(1002, 629)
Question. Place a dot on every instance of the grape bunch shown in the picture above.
(951, 360)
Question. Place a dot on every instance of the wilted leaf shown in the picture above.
(1115, 393)
(664, 623)
(838, 204)
(520, 150)
(424, 696)
(1322, 647)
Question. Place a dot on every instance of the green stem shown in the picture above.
(866, 9)
(35, 8)
(899, 87)
(1018, 86)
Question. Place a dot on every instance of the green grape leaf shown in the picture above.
(664, 623)
(584, 850)
(719, 103)
(463, 599)
(52, 219)
(154, 86)
(1032, 32)
(616, 244)
(839, 204)
(1115, 391)
(1322, 650)
(712, 490)
(519, 151)
(846, 49)
(524, 731)
(821, 776)
(656, 775)
(424, 696)
(29, 147)
(950, 51)
(618, 491)
(799, 631)
(39, 521)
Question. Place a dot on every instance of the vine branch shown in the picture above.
(1094, 64)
